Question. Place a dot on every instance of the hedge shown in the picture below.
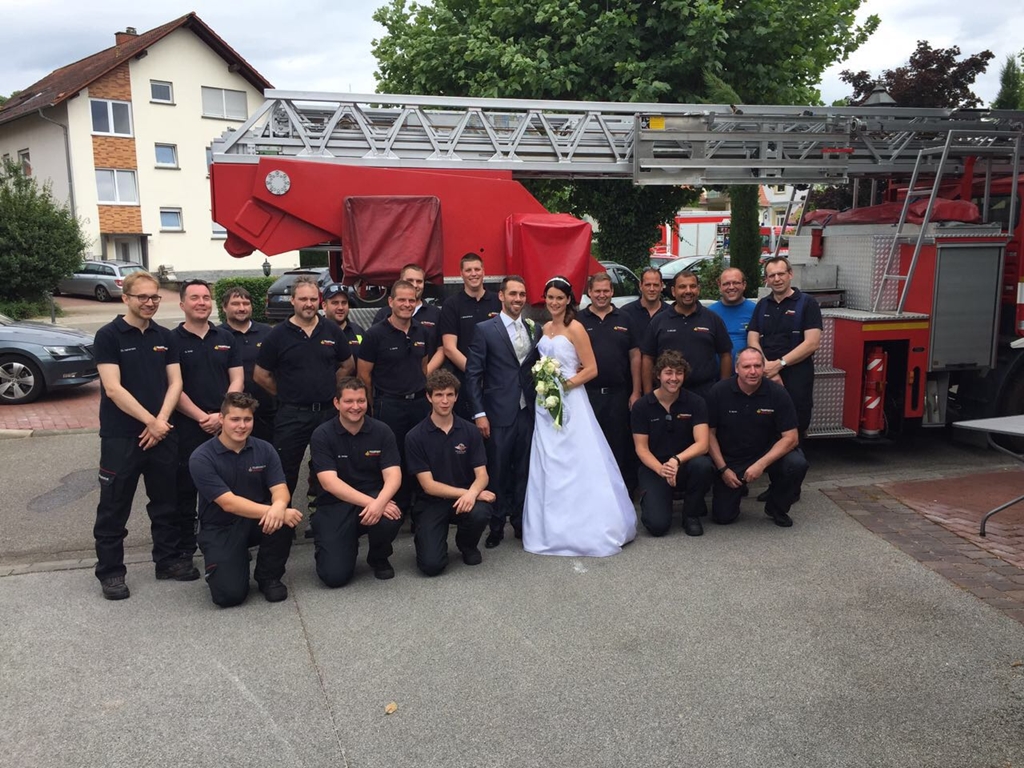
(257, 288)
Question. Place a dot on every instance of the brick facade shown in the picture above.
(120, 219)
(116, 152)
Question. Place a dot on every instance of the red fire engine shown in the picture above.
(921, 297)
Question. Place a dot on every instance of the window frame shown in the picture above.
(110, 118)
(170, 88)
(224, 103)
(25, 161)
(117, 189)
(174, 151)
(174, 211)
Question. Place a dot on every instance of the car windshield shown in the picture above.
(678, 265)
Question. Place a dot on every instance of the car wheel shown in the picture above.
(21, 381)
(102, 294)
(366, 295)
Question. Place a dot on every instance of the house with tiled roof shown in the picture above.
(123, 137)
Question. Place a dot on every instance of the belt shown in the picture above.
(308, 406)
(410, 396)
(605, 390)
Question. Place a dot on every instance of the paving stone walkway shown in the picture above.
(936, 522)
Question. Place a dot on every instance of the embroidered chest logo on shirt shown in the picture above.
(426, 323)
(373, 452)
(684, 416)
(789, 312)
(221, 347)
(128, 349)
(764, 411)
(419, 344)
(257, 468)
(159, 348)
(701, 329)
(492, 314)
(327, 342)
(460, 449)
(620, 328)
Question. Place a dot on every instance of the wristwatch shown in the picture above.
(782, 362)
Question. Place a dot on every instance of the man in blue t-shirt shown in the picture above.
(733, 307)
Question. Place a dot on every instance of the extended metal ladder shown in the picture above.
(686, 144)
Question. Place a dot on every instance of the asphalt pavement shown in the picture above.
(819, 645)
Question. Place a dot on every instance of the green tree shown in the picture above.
(40, 241)
(745, 234)
(1011, 85)
(616, 50)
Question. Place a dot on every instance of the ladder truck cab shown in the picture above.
(922, 294)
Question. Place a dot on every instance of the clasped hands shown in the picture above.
(276, 516)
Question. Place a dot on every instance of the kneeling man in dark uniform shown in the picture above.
(356, 461)
(446, 454)
(670, 433)
(753, 431)
(243, 501)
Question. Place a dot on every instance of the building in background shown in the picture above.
(123, 136)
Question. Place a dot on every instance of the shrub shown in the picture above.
(257, 288)
(40, 241)
(22, 309)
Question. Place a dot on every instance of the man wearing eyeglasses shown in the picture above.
(733, 307)
(140, 382)
(211, 366)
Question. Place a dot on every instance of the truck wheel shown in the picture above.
(365, 295)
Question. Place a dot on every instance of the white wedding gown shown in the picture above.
(576, 502)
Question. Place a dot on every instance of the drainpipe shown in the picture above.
(67, 157)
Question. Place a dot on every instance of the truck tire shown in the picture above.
(364, 295)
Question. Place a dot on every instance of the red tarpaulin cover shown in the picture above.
(384, 233)
(542, 245)
(889, 213)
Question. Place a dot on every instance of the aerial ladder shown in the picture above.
(307, 134)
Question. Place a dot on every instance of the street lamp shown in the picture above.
(266, 267)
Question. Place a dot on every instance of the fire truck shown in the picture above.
(922, 294)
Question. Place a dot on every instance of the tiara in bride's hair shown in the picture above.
(559, 280)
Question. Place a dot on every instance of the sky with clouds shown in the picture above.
(326, 44)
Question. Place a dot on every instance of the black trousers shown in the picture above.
(122, 463)
(190, 437)
(799, 382)
(402, 415)
(225, 551)
(693, 479)
(612, 412)
(263, 425)
(508, 464)
(786, 476)
(336, 532)
(433, 516)
(292, 429)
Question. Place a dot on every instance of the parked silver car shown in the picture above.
(37, 357)
(100, 279)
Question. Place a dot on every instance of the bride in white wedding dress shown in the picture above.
(576, 502)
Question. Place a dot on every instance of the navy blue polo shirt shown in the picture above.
(747, 426)
(701, 337)
(668, 432)
(354, 332)
(461, 313)
(397, 358)
(781, 324)
(304, 367)
(427, 315)
(250, 473)
(450, 457)
(358, 459)
(142, 357)
(640, 318)
(205, 363)
(249, 342)
(612, 338)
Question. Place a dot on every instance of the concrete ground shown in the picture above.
(819, 645)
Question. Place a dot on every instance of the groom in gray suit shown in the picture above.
(501, 395)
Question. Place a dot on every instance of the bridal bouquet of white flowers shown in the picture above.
(549, 384)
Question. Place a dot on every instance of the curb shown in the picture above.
(17, 433)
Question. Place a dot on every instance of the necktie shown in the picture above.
(522, 343)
